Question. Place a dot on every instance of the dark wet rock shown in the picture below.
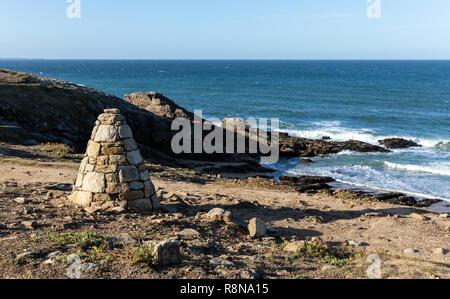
(307, 184)
(397, 198)
(398, 143)
(387, 196)
(306, 179)
(425, 203)
(306, 161)
(239, 168)
(302, 147)
(405, 200)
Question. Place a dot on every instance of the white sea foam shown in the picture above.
(441, 168)
(336, 132)
(369, 178)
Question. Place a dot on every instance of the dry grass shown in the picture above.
(57, 150)
(29, 162)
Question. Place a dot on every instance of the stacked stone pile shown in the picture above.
(113, 173)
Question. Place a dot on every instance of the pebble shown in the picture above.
(295, 246)
(20, 200)
(418, 217)
(439, 251)
(219, 261)
(121, 240)
(351, 242)
(118, 210)
(250, 274)
(188, 232)
(443, 216)
(257, 228)
(29, 224)
(218, 214)
(410, 251)
(92, 210)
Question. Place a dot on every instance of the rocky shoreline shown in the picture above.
(36, 110)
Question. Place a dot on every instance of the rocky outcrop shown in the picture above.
(289, 146)
(35, 110)
(398, 143)
(48, 110)
(159, 105)
(113, 173)
(302, 147)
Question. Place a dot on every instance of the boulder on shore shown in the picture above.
(398, 143)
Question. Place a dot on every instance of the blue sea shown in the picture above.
(361, 100)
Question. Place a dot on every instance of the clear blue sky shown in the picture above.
(225, 29)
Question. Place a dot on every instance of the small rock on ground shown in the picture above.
(166, 252)
(295, 246)
(188, 232)
(257, 228)
(439, 251)
(219, 262)
(351, 242)
(29, 224)
(418, 217)
(410, 251)
(219, 214)
(121, 240)
(20, 200)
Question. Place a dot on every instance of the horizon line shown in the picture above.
(236, 59)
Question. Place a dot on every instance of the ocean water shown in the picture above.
(361, 100)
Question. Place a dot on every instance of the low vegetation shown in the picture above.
(312, 250)
(85, 240)
(57, 150)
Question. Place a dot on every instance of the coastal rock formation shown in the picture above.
(289, 146)
(398, 143)
(307, 148)
(158, 104)
(113, 173)
(37, 110)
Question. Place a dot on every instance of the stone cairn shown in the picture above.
(113, 175)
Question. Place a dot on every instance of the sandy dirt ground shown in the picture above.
(411, 243)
